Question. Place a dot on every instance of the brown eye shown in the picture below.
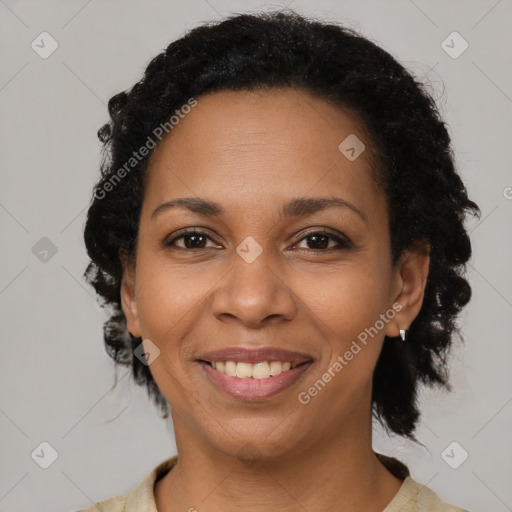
(191, 240)
(320, 240)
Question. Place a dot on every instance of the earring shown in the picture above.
(402, 334)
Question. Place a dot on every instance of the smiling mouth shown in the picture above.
(253, 381)
(261, 370)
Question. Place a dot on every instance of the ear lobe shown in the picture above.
(412, 269)
(128, 296)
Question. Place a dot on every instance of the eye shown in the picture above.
(192, 239)
(320, 241)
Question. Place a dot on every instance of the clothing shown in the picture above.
(411, 497)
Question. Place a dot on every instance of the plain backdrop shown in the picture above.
(57, 380)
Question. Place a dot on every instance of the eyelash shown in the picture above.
(343, 244)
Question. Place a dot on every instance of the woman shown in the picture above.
(279, 229)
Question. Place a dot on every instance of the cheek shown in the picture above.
(348, 298)
(173, 302)
(167, 299)
(348, 304)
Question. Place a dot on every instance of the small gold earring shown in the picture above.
(402, 334)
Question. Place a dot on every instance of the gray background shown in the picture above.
(57, 381)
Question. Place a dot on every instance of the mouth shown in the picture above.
(253, 374)
(245, 370)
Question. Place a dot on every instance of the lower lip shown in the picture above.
(254, 389)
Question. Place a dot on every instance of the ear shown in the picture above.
(128, 296)
(409, 281)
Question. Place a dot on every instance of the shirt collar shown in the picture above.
(142, 497)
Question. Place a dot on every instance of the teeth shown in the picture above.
(262, 370)
(230, 368)
(244, 370)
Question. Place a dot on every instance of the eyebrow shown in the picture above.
(298, 207)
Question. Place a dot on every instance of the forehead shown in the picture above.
(247, 147)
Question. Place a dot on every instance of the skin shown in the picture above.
(252, 152)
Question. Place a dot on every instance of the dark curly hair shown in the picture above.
(426, 198)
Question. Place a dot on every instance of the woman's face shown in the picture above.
(260, 275)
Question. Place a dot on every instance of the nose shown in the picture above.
(254, 292)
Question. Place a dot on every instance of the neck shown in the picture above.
(339, 472)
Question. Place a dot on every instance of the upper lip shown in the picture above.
(255, 355)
